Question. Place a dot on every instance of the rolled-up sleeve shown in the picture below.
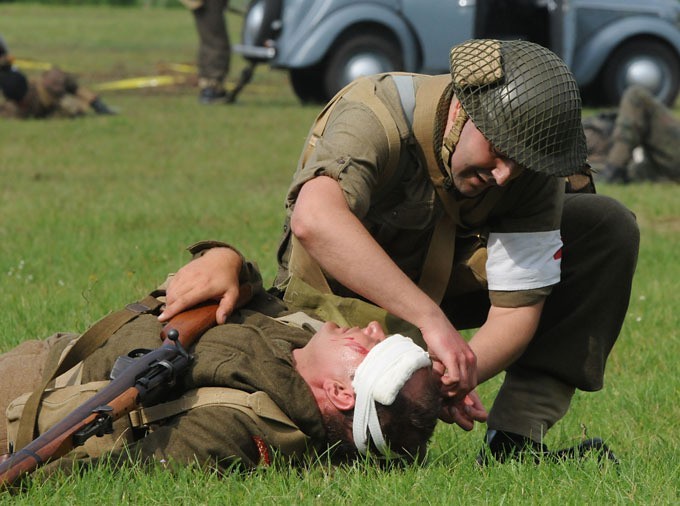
(353, 150)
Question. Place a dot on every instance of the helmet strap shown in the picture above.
(449, 142)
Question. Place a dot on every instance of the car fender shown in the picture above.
(590, 58)
(305, 48)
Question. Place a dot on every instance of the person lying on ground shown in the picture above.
(322, 388)
(639, 141)
(54, 93)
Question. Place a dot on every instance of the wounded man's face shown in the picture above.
(348, 346)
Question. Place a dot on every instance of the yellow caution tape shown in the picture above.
(140, 82)
(32, 64)
(184, 68)
(137, 82)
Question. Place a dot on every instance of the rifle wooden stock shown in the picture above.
(118, 398)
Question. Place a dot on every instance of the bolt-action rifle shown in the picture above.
(139, 378)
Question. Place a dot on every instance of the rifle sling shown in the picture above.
(92, 339)
(277, 427)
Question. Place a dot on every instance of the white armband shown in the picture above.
(523, 261)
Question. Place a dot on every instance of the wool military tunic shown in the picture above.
(251, 353)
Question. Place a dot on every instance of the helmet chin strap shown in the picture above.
(449, 142)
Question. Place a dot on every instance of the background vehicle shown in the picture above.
(324, 44)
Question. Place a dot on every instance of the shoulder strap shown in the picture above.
(363, 90)
(92, 339)
(320, 124)
(301, 320)
(281, 431)
(439, 259)
(434, 278)
(407, 95)
(427, 98)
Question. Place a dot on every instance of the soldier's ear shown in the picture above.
(339, 393)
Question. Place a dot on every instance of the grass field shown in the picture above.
(94, 212)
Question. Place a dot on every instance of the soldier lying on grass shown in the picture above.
(268, 381)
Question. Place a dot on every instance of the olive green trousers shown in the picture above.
(581, 319)
(214, 50)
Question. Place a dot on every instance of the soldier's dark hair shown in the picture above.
(407, 424)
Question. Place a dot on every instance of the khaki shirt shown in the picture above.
(250, 353)
(401, 214)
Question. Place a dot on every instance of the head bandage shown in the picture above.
(384, 371)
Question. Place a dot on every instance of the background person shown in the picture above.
(214, 49)
(641, 121)
(53, 93)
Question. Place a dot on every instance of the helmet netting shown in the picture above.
(524, 100)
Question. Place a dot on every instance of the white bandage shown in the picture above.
(384, 371)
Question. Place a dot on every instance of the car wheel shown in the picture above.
(307, 83)
(645, 62)
(360, 55)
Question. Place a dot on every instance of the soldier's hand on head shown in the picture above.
(452, 356)
(464, 412)
(212, 276)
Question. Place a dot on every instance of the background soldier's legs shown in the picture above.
(214, 49)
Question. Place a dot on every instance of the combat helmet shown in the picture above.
(524, 100)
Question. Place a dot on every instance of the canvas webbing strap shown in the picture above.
(301, 264)
(320, 125)
(427, 98)
(436, 272)
(407, 95)
(362, 91)
(92, 339)
(439, 259)
(257, 405)
(259, 402)
(302, 320)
